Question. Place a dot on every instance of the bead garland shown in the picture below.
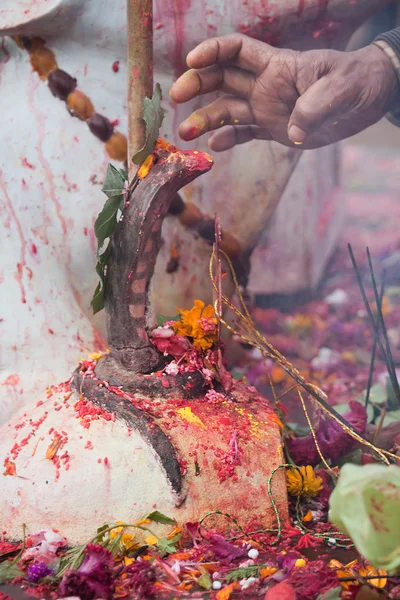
(64, 87)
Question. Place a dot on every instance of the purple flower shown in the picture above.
(225, 550)
(94, 577)
(37, 571)
(332, 438)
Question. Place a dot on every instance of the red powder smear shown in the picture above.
(115, 66)
(115, 123)
(12, 380)
(9, 468)
(27, 164)
(33, 249)
(87, 412)
(300, 8)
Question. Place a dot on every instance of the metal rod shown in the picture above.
(140, 73)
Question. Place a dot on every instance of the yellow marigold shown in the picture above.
(198, 323)
(303, 482)
(126, 539)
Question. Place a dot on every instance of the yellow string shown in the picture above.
(254, 338)
(313, 433)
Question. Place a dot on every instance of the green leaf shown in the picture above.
(153, 116)
(162, 319)
(366, 505)
(158, 517)
(98, 297)
(106, 221)
(205, 581)
(378, 394)
(392, 400)
(392, 416)
(244, 572)
(9, 570)
(114, 183)
(100, 531)
(104, 227)
(333, 594)
(168, 546)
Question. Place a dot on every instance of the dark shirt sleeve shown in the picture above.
(392, 38)
(389, 42)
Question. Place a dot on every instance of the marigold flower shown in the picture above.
(303, 482)
(198, 323)
(127, 539)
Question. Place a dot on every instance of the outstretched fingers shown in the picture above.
(228, 79)
(232, 135)
(240, 50)
(227, 110)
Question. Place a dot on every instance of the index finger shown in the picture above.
(235, 48)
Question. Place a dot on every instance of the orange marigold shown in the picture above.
(198, 323)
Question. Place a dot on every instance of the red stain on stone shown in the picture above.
(27, 164)
(115, 66)
(12, 380)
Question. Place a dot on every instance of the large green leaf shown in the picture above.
(153, 116)
(114, 182)
(104, 227)
(366, 505)
(106, 222)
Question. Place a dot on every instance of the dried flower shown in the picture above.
(167, 342)
(43, 546)
(331, 437)
(303, 482)
(225, 550)
(198, 323)
(94, 577)
(140, 577)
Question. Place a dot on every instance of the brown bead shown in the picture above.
(117, 147)
(79, 105)
(43, 62)
(101, 127)
(177, 205)
(230, 245)
(61, 84)
(206, 229)
(191, 215)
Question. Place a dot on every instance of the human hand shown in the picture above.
(309, 99)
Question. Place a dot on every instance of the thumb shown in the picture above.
(321, 102)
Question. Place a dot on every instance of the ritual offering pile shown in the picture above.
(238, 448)
(154, 472)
